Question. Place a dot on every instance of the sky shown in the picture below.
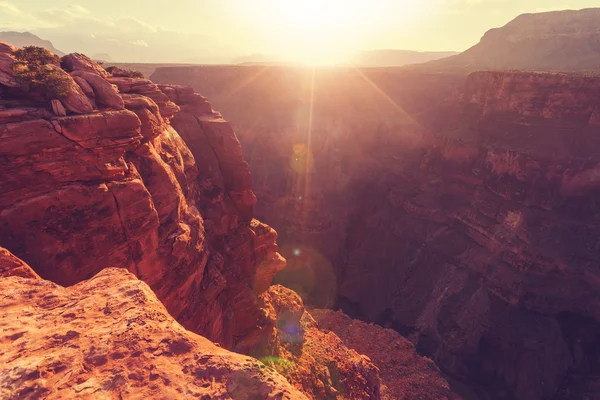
(289, 29)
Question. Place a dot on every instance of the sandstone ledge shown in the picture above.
(110, 337)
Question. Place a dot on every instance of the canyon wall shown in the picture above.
(134, 206)
(311, 136)
(461, 212)
(117, 186)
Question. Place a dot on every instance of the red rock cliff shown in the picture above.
(463, 216)
(99, 178)
(117, 186)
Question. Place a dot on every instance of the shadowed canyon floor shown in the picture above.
(460, 211)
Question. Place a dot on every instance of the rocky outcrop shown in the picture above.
(467, 225)
(317, 363)
(105, 93)
(404, 374)
(13, 266)
(122, 184)
(55, 344)
(80, 62)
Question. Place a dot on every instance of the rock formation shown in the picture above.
(461, 214)
(118, 187)
(404, 374)
(118, 172)
(110, 337)
(319, 363)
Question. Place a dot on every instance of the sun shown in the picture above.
(317, 28)
(314, 17)
(323, 31)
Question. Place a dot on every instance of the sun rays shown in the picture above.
(242, 85)
(386, 97)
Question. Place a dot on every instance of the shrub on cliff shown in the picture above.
(127, 73)
(33, 72)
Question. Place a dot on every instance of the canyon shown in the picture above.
(331, 233)
(458, 209)
(131, 261)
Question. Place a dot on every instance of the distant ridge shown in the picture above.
(397, 58)
(557, 40)
(21, 39)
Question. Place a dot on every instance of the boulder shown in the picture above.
(79, 62)
(106, 94)
(145, 87)
(58, 108)
(75, 101)
(85, 86)
(148, 113)
(7, 47)
(10, 265)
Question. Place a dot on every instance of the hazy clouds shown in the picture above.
(124, 38)
(198, 31)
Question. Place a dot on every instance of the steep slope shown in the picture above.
(493, 236)
(405, 375)
(22, 39)
(556, 40)
(110, 337)
(461, 215)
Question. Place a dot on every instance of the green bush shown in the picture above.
(280, 365)
(33, 72)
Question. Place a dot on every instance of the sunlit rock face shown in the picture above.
(461, 212)
(110, 337)
(114, 184)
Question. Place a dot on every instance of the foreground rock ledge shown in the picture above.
(110, 337)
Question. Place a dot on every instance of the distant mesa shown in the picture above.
(397, 58)
(558, 40)
(22, 39)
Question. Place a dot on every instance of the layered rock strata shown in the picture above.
(465, 219)
(119, 187)
(99, 178)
